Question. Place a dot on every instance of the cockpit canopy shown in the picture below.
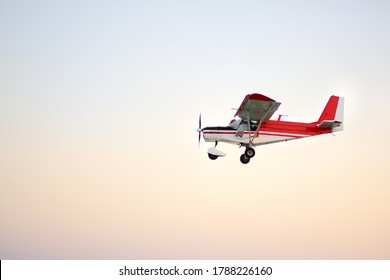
(239, 124)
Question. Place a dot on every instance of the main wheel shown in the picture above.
(250, 152)
(244, 159)
(212, 157)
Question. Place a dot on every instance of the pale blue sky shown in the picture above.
(99, 102)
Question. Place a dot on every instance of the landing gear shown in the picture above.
(212, 157)
(213, 153)
(244, 159)
(250, 152)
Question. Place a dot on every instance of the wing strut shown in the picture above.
(257, 130)
(249, 129)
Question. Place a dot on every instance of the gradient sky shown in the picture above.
(99, 103)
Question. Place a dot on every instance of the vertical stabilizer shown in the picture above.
(333, 114)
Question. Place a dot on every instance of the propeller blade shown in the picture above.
(200, 128)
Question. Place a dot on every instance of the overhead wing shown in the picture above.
(257, 107)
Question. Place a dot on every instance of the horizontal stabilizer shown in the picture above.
(329, 124)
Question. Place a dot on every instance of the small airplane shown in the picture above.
(252, 126)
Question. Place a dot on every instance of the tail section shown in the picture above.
(333, 114)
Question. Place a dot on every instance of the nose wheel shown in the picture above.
(212, 157)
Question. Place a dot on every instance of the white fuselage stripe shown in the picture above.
(253, 132)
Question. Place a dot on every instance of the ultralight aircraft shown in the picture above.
(252, 126)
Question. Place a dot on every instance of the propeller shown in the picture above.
(199, 130)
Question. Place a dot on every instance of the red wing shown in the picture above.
(257, 107)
